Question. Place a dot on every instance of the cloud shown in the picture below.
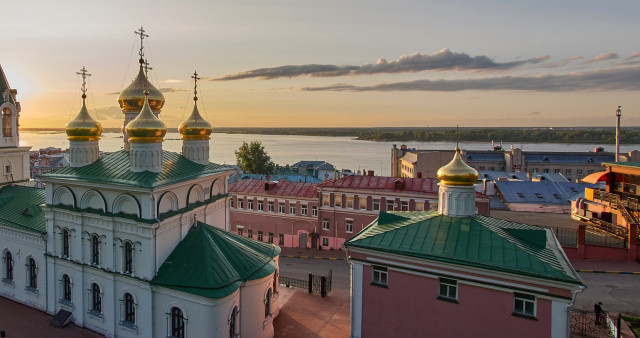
(603, 57)
(439, 61)
(172, 90)
(171, 81)
(107, 113)
(112, 93)
(561, 63)
(633, 56)
(601, 80)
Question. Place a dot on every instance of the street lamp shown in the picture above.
(618, 113)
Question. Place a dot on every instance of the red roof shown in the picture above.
(279, 188)
(384, 183)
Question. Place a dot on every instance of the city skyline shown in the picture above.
(333, 64)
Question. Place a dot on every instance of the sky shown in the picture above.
(332, 63)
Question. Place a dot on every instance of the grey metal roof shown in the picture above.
(558, 193)
(519, 176)
(568, 158)
(471, 156)
(277, 177)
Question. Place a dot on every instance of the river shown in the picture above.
(342, 152)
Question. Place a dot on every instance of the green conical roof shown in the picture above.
(213, 263)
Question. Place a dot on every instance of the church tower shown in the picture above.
(9, 110)
(457, 195)
(132, 98)
(195, 132)
(83, 132)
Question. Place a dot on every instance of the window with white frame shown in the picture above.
(280, 239)
(260, 205)
(128, 257)
(325, 241)
(32, 273)
(314, 211)
(292, 208)
(404, 205)
(379, 275)
(303, 209)
(267, 303)
(524, 304)
(240, 202)
(448, 289)
(376, 204)
(95, 250)
(231, 203)
(260, 236)
(271, 237)
(419, 206)
(250, 233)
(129, 309)
(66, 288)
(65, 243)
(177, 323)
(270, 206)
(250, 204)
(363, 202)
(325, 224)
(337, 201)
(96, 298)
(234, 330)
(348, 225)
(350, 202)
(326, 198)
(390, 205)
(240, 231)
(281, 208)
(8, 266)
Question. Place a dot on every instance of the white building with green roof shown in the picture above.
(135, 243)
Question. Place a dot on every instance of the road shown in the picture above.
(618, 293)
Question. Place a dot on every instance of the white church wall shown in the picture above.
(253, 321)
(23, 245)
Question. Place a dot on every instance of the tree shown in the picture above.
(253, 159)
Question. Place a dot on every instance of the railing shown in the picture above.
(320, 284)
(566, 237)
(293, 282)
(583, 324)
(618, 204)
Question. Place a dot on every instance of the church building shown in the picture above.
(134, 243)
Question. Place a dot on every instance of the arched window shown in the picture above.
(267, 303)
(8, 266)
(128, 257)
(233, 323)
(32, 273)
(275, 281)
(65, 243)
(96, 298)
(95, 250)
(177, 323)
(66, 288)
(129, 309)
(6, 123)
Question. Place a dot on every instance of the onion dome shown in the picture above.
(457, 172)
(195, 127)
(146, 127)
(132, 98)
(83, 127)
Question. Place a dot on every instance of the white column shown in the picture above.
(356, 300)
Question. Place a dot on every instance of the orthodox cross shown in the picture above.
(141, 32)
(195, 85)
(84, 74)
(145, 64)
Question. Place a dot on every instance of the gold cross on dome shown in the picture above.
(84, 74)
(141, 32)
(195, 84)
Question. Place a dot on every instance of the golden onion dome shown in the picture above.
(83, 127)
(457, 172)
(146, 127)
(195, 127)
(132, 98)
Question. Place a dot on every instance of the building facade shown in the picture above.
(457, 270)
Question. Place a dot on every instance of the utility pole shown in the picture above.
(618, 113)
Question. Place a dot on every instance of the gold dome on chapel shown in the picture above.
(132, 98)
(195, 127)
(146, 127)
(83, 127)
(457, 172)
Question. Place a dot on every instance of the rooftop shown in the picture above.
(213, 263)
(385, 183)
(115, 169)
(477, 241)
(20, 208)
(277, 188)
(540, 192)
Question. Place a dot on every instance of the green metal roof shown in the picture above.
(478, 241)
(115, 169)
(213, 263)
(20, 208)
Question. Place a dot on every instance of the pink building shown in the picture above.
(281, 212)
(349, 204)
(453, 273)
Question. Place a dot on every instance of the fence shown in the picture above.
(583, 324)
(566, 237)
(595, 237)
(320, 284)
